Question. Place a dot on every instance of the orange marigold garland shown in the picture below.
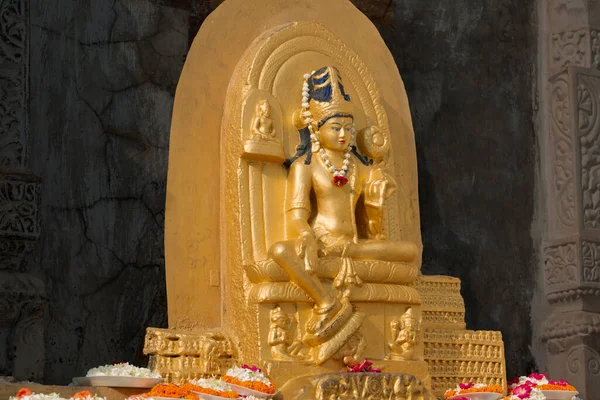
(560, 385)
(254, 385)
(250, 377)
(24, 392)
(170, 390)
(470, 387)
(82, 395)
(541, 382)
(195, 388)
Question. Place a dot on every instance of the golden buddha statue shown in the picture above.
(263, 127)
(326, 125)
(308, 262)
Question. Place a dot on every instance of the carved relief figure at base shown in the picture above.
(405, 336)
(284, 346)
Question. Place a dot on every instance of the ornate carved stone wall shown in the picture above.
(571, 156)
(22, 295)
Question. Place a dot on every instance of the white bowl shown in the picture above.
(559, 394)
(478, 396)
(245, 391)
(117, 381)
(205, 396)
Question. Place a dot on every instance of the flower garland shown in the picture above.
(122, 369)
(539, 381)
(26, 394)
(170, 390)
(471, 387)
(526, 391)
(229, 394)
(249, 377)
(557, 385)
(339, 174)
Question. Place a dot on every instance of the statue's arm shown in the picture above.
(299, 185)
(256, 126)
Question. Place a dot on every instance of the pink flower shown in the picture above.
(467, 385)
(461, 398)
(514, 381)
(365, 366)
(522, 391)
(537, 376)
(251, 368)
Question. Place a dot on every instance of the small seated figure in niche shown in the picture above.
(283, 346)
(263, 127)
(328, 166)
(404, 334)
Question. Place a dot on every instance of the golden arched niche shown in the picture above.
(232, 129)
(200, 215)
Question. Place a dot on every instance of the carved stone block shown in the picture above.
(180, 356)
(572, 273)
(565, 15)
(572, 340)
(19, 218)
(579, 48)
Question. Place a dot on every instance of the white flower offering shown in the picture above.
(122, 369)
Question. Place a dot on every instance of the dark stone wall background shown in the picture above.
(103, 76)
(469, 71)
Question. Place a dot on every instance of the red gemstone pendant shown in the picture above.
(340, 180)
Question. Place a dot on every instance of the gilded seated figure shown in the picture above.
(308, 261)
(263, 127)
(328, 165)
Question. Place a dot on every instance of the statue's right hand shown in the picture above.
(307, 248)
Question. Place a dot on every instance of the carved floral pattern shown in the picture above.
(13, 81)
(569, 48)
(181, 356)
(562, 152)
(581, 359)
(591, 261)
(369, 386)
(19, 203)
(561, 264)
(588, 89)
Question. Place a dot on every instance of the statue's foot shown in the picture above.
(321, 316)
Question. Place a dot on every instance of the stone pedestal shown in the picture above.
(452, 354)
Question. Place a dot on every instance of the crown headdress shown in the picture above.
(324, 97)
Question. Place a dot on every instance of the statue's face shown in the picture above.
(266, 109)
(335, 134)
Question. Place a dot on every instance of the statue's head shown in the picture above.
(279, 318)
(263, 108)
(326, 115)
(323, 98)
(409, 320)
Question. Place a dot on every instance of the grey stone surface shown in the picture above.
(468, 67)
(103, 76)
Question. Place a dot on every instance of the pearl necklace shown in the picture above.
(339, 175)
